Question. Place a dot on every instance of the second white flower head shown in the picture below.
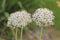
(43, 16)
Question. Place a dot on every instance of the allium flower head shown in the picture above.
(19, 19)
(43, 17)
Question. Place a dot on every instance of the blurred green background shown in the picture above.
(9, 6)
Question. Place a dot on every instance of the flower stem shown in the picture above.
(21, 33)
(16, 34)
(41, 32)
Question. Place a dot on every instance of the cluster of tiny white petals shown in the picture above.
(19, 19)
(43, 17)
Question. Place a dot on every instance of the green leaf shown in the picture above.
(6, 14)
(2, 5)
(20, 5)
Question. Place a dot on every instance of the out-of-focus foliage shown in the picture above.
(9, 6)
(32, 5)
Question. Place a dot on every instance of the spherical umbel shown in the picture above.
(43, 17)
(19, 19)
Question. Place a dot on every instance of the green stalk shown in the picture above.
(16, 34)
(21, 33)
(41, 32)
(13, 32)
(20, 5)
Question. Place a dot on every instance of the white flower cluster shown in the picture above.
(43, 17)
(19, 19)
